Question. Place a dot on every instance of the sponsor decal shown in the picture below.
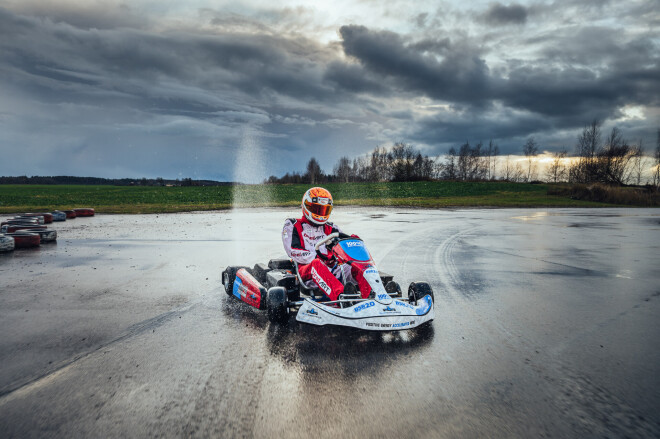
(238, 287)
(320, 282)
(312, 313)
(364, 306)
(312, 238)
(383, 296)
(354, 244)
(390, 325)
(403, 304)
(323, 201)
(371, 271)
(389, 309)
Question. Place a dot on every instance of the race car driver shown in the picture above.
(301, 235)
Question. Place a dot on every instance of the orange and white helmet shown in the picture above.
(317, 205)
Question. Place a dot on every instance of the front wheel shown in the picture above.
(278, 306)
(417, 290)
(393, 289)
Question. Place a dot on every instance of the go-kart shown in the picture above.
(278, 289)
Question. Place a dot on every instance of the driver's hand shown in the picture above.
(331, 261)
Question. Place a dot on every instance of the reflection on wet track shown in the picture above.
(547, 324)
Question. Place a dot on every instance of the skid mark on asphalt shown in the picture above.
(26, 385)
(584, 271)
(587, 407)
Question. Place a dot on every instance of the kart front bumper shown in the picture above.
(369, 315)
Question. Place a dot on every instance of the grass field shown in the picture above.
(134, 199)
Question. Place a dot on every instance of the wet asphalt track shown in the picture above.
(547, 324)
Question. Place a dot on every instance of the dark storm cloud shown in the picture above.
(354, 78)
(136, 62)
(89, 15)
(568, 93)
(499, 14)
(461, 75)
(104, 84)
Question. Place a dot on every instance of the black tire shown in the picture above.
(228, 277)
(47, 235)
(417, 291)
(278, 306)
(393, 289)
(58, 215)
(6, 243)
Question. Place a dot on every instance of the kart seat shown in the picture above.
(281, 264)
(304, 288)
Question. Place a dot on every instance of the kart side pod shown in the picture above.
(249, 290)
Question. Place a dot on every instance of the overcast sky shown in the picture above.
(240, 90)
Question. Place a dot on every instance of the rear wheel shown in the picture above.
(278, 306)
(228, 278)
(417, 291)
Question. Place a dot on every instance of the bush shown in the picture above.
(608, 194)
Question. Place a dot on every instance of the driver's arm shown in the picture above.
(294, 245)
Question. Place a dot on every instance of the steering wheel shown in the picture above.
(330, 237)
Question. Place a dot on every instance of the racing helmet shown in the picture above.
(317, 205)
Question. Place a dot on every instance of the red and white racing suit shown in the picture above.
(299, 237)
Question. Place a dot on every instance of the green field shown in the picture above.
(134, 199)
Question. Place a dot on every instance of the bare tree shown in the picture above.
(379, 167)
(403, 158)
(656, 172)
(449, 169)
(360, 169)
(531, 150)
(313, 174)
(343, 170)
(557, 170)
(638, 162)
(493, 152)
(463, 162)
(612, 163)
(584, 170)
(507, 171)
(512, 171)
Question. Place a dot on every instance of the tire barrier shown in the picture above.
(48, 218)
(84, 211)
(20, 222)
(11, 228)
(70, 214)
(59, 215)
(6, 243)
(46, 235)
(39, 218)
(25, 239)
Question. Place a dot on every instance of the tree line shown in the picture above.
(612, 160)
(64, 179)
(403, 162)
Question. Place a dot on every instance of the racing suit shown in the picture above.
(299, 237)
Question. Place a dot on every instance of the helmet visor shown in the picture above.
(319, 209)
